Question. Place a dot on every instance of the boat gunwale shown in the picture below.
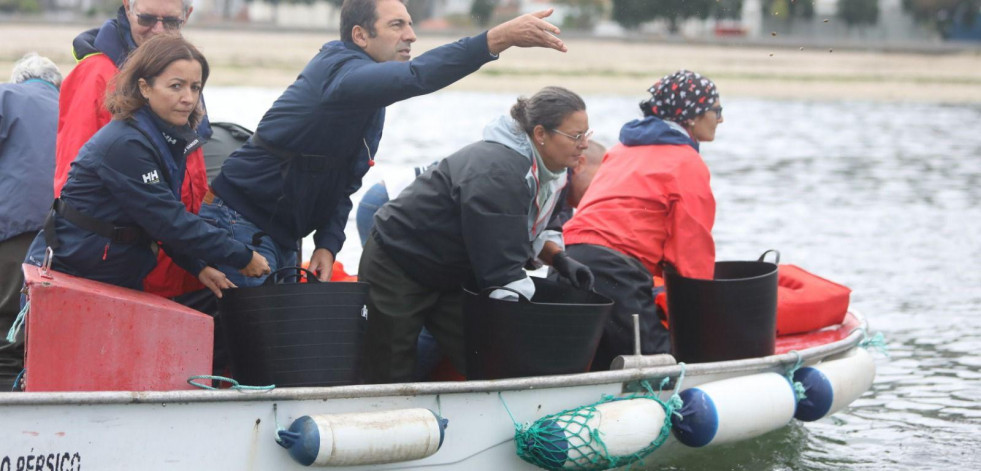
(778, 363)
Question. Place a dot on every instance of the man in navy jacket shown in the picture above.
(312, 148)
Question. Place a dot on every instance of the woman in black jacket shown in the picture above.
(479, 216)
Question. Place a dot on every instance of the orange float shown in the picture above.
(807, 302)
(337, 273)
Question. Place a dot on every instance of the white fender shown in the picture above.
(364, 438)
(734, 409)
(625, 427)
(832, 385)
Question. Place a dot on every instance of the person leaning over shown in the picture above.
(28, 122)
(312, 148)
(476, 218)
(123, 192)
(579, 178)
(100, 53)
(650, 203)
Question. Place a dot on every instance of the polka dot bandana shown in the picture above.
(680, 97)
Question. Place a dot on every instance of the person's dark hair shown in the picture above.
(363, 13)
(147, 62)
(549, 107)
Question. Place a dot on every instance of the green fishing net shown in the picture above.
(571, 440)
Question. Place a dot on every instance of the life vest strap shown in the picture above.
(313, 163)
(115, 234)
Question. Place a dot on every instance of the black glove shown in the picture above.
(579, 274)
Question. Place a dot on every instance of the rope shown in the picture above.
(18, 323)
(877, 342)
(800, 392)
(508, 409)
(17, 380)
(283, 437)
(550, 441)
(235, 384)
(675, 399)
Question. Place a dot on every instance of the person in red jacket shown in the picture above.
(649, 204)
(82, 111)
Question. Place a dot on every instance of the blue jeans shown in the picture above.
(373, 199)
(428, 355)
(224, 217)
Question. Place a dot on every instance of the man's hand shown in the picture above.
(580, 275)
(257, 267)
(322, 263)
(525, 31)
(215, 280)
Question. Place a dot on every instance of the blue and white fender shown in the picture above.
(733, 409)
(831, 385)
(363, 438)
(625, 427)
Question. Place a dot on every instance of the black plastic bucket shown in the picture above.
(730, 317)
(295, 334)
(556, 332)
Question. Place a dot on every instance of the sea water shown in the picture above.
(882, 197)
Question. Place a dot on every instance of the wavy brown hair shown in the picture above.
(147, 62)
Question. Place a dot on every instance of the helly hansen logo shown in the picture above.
(151, 177)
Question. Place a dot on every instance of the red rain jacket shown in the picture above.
(654, 203)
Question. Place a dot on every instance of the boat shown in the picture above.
(646, 410)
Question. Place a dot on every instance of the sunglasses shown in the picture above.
(718, 112)
(147, 20)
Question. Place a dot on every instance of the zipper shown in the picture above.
(538, 189)
(371, 160)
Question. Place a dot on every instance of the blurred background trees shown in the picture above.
(858, 12)
(947, 17)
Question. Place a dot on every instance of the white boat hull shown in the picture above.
(236, 430)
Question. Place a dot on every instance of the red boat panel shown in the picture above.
(83, 335)
(786, 343)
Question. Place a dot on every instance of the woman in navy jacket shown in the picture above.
(122, 198)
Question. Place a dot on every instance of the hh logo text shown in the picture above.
(151, 177)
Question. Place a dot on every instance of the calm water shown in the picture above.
(884, 198)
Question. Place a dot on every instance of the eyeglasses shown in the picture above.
(147, 20)
(579, 138)
(718, 112)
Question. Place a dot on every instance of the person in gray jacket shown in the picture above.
(28, 125)
(476, 218)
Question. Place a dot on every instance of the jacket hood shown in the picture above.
(505, 130)
(113, 39)
(84, 44)
(654, 131)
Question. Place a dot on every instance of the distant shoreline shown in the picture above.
(261, 57)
